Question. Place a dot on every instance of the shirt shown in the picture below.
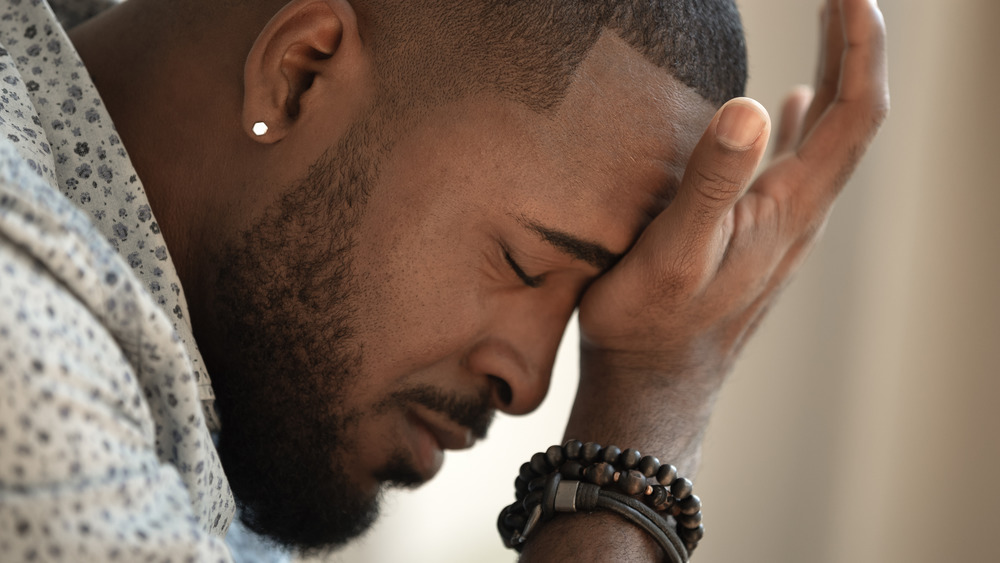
(105, 407)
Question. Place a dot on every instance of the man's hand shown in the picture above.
(661, 329)
(698, 280)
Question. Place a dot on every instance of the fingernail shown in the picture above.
(740, 125)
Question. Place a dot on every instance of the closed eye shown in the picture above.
(530, 281)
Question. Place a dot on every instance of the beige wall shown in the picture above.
(863, 422)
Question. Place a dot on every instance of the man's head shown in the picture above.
(399, 254)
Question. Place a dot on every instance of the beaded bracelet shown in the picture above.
(585, 477)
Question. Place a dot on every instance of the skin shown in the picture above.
(435, 300)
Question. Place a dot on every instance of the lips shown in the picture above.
(448, 434)
(433, 434)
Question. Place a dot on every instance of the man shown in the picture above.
(382, 215)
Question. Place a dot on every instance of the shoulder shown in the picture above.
(100, 428)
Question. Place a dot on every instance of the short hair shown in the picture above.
(529, 50)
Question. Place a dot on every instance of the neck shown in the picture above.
(175, 99)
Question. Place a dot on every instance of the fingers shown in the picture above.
(840, 137)
(831, 149)
(830, 57)
(720, 167)
(865, 54)
(793, 115)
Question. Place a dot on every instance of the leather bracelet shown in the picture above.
(586, 477)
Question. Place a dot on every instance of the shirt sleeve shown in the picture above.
(79, 476)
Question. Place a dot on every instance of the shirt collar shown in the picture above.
(93, 170)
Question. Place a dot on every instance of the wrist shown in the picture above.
(578, 477)
(621, 399)
(690, 365)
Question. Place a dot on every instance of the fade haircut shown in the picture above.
(528, 51)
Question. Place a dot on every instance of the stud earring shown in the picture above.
(259, 128)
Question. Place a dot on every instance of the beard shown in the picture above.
(284, 355)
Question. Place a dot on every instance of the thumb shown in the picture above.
(721, 166)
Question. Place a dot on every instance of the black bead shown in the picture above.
(526, 472)
(649, 465)
(555, 456)
(590, 452)
(666, 474)
(540, 465)
(629, 459)
(533, 499)
(600, 474)
(690, 505)
(536, 484)
(690, 521)
(681, 488)
(520, 487)
(610, 454)
(502, 527)
(571, 470)
(571, 449)
(695, 534)
(632, 482)
(514, 521)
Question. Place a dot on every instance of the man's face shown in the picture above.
(371, 320)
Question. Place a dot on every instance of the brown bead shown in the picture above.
(540, 465)
(629, 459)
(666, 475)
(648, 465)
(659, 497)
(681, 488)
(632, 482)
(526, 472)
(690, 505)
(600, 474)
(555, 456)
(571, 470)
(690, 521)
(590, 452)
(610, 454)
(571, 449)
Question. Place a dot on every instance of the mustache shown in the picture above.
(472, 412)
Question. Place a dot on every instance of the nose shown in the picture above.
(517, 354)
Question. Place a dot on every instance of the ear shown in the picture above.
(301, 42)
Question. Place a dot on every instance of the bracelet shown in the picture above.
(578, 477)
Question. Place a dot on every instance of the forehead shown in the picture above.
(630, 127)
(601, 165)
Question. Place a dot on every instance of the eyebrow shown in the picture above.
(593, 253)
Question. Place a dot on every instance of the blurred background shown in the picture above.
(863, 421)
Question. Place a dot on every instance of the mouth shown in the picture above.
(432, 434)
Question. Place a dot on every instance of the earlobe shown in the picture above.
(294, 47)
